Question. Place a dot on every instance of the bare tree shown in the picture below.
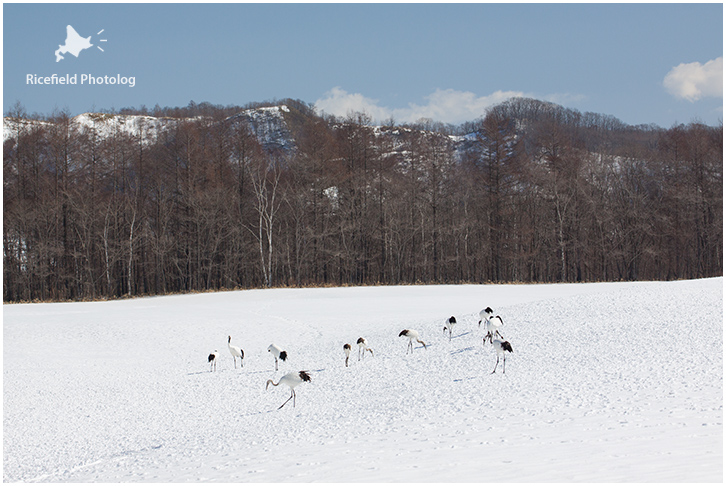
(264, 176)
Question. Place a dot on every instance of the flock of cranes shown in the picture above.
(492, 325)
(491, 322)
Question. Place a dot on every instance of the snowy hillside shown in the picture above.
(12, 127)
(269, 126)
(148, 127)
(104, 125)
(606, 382)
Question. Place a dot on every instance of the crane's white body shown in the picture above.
(278, 353)
(500, 346)
(363, 347)
(412, 335)
(485, 315)
(213, 360)
(493, 325)
(449, 325)
(235, 352)
(292, 380)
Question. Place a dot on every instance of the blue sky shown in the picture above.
(642, 63)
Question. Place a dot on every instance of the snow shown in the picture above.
(11, 127)
(607, 382)
(105, 125)
(269, 126)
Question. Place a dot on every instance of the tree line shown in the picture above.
(531, 192)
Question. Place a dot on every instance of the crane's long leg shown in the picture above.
(291, 396)
(504, 364)
(495, 366)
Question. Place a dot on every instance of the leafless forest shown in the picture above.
(208, 197)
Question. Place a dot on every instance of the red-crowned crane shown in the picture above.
(278, 353)
(411, 335)
(363, 347)
(493, 325)
(485, 315)
(449, 324)
(500, 347)
(213, 360)
(346, 350)
(292, 380)
(236, 353)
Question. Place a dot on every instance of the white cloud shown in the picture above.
(452, 106)
(694, 80)
(443, 105)
(339, 102)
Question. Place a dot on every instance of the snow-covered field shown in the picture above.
(607, 382)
